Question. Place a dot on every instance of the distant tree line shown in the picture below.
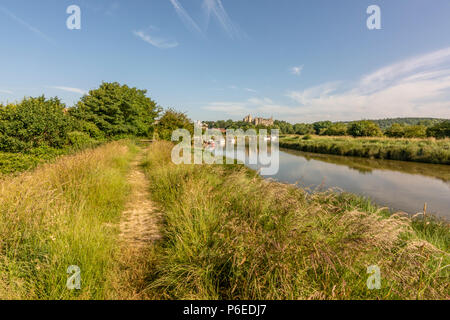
(397, 128)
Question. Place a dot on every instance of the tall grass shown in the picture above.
(62, 214)
(229, 234)
(418, 150)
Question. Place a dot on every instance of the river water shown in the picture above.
(398, 185)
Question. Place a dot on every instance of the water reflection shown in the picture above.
(399, 185)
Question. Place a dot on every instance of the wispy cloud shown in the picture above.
(250, 90)
(6, 91)
(158, 42)
(416, 87)
(26, 25)
(185, 17)
(211, 8)
(69, 89)
(297, 70)
(216, 8)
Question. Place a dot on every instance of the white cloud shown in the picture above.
(416, 87)
(185, 17)
(297, 70)
(69, 89)
(26, 25)
(6, 91)
(250, 90)
(216, 8)
(160, 43)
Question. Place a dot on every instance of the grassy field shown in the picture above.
(229, 234)
(418, 150)
(60, 214)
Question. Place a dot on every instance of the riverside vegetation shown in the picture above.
(229, 234)
(419, 150)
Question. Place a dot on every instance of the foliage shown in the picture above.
(32, 123)
(336, 129)
(118, 109)
(171, 121)
(364, 128)
(440, 130)
(417, 150)
(321, 126)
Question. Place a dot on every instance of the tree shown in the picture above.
(321, 126)
(117, 110)
(396, 130)
(336, 129)
(171, 121)
(364, 128)
(32, 123)
(303, 128)
(440, 130)
(417, 131)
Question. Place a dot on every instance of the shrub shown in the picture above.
(170, 121)
(364, 128)
(79, 140)
(440, 130)
(32, 123)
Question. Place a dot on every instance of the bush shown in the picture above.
(32, 123)
(117, 109)
(364, 128)
(79, 140)
(396, 131)
(440, 130)
(170, 121)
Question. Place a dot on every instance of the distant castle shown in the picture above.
(259, 121)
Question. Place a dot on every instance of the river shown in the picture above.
(398, 185)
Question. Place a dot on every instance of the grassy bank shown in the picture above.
(418, 150)
(61, 214)
(229, 234)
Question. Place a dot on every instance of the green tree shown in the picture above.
(396, 130)
(170, 121)
(364, 128)
(118, 110)
(416, 131)
(440, 130)
(303, 128)
(336, 129)
(321, 126)
(32, 123)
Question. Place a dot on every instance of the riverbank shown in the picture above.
(416, 150)
(229, 234)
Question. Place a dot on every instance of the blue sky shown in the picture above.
(298, 60)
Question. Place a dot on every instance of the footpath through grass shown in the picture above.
(418, 150)
(61, 214)
(229, 234)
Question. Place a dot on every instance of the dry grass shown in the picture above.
(61, 214)
(229, 234)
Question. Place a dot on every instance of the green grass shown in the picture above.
(228, 234)
(417, 150)
(20, 162)
(60, 214)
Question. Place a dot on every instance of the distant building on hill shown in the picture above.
(259, 121)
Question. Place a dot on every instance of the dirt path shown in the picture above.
(140, 219)
(139, 228)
